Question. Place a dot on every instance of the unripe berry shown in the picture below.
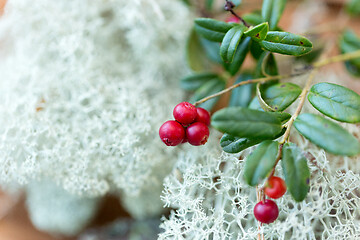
(197, 133)
(172, 133)
(185, 113)
(275, 187)
(203, 116)
(266, 212)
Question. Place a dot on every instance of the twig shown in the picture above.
(229, 5)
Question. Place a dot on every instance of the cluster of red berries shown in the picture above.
(267, 211)
(191, 126)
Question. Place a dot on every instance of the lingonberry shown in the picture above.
(203, 116)
(232, 19)
(197, 133)
(275, 187)
(266, 211)
(185, 113)
(172, 133)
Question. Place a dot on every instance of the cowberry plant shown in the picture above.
(257, 109)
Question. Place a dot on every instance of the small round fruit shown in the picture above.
(266, 211)
(185, 113)
(275, 187)
(197, 133)
(172, 133)
(203, 116)
(232, 19)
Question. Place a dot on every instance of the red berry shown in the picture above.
(197, 133)
(275, 188)
(266, 212)
(232, 19)
(172, 133)
(203, 116)
(185, 113)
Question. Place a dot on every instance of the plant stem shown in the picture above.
(299, 107)
(264, 79)
(319, 64)
(229, 5)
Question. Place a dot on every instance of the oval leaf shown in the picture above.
(260, 162)
(212, 29)
(239, 56)
(296, 171)
(327, 134)
(230, 43)
(241, 96)
(281, 95)
(210, 87)
(258, 32)
(335, 101)
(272, 10)
(193, 82)
(286, 43)
(248, 123)
(233, 144)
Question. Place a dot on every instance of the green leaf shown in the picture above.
(230, 43)
(195, 54)
(241, 96)
(260, 162)
(266, 64)
(212, 29)
(282, 116)
(248, 123)
(353, 7)
(239, 57)
(258, 32)
(335, 101)
(327, 134)
(255, 50)
(211, 49)
(193, 82)
(209, 88)
(254, 104)
(296, 171)
(253, 18)
(349, 42)
(286, 43)
(272, 11)
(281, 95)
(262, 102)
(233, 144)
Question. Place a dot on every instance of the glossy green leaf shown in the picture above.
(296, 171)
(259, 164)
(281, 95)
(212, 29)
(272, 10)
(349, 42)
(327, 134)
(258, 32)
(195, 81)
(230, 43)
(335, 101)
(286, 43)
(282, 116)
(233, 144)
(239, 57)
(248, 123)
(209, 88)
(241, 96)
